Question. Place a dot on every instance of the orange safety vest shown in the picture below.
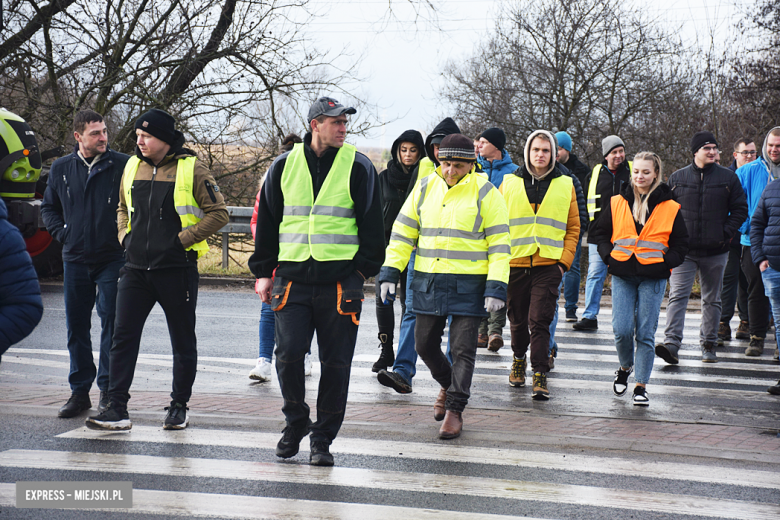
(651, 244)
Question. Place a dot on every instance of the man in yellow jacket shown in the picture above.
(544, 226)
(458, 221)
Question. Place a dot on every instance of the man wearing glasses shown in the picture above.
(713, 205)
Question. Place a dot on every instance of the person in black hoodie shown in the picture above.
(641, 236)
(394, 186)
(714, 206)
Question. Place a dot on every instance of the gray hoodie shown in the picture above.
(527, 153)
(774, 169)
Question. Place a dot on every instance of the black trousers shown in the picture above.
(734, 287)
(385, 316)
(176, 290)
(758, 303)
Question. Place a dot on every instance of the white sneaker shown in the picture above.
(307, 365)
(262, 371)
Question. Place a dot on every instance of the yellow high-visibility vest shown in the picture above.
(593, 195)
(324, 229)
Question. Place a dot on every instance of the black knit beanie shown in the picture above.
(700, 139)
(160, 124)
(495, 136)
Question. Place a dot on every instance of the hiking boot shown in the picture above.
(262, 370)
(387, 357)
(482, 341)
(708, 352)
(724, 331)
(320, 454)
(774, 390)
(541, 393)
(743, 330)
(177, 418)
(495, 342)
(667, 352)
(307, 365)
(517, 375)
(756, 347)
(394, 381)
(113, 419)
(571, 315)
(620, 385)
(290, 442)
(640, 396)
(103, 403)
(586, 324)
(76, 404)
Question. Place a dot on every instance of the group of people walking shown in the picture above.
(472, 238)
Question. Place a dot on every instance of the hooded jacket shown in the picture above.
(495, 170)
(765, 227)
(156, 239)
(713, 206)
(393, 195)
(601, 235)
(21, 306)
(754, 177)
(79, 206)
(443, 129)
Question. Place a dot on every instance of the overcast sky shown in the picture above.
(402, 60)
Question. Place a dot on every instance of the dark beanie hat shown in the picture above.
(160, 124)
(495, 136)
(700, 139)
(457, 147)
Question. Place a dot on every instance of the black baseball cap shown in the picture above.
(326, 106)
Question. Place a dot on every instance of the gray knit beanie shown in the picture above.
(610, 143)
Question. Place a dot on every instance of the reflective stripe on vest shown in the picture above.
(651, 244)
(544, 230)
(324, 229)
(183, 198)
(593, 195)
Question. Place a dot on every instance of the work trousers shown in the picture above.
(455, 378)
(332, 311)
(532, 298)
(494, 323)
(758, 303)
(176, 290)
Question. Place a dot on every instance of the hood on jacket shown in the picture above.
(774, 169)
(527, 150)
(3, 209)
(408, 136)
(445, 128)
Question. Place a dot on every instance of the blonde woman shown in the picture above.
(641, 236)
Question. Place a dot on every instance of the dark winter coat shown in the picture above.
(580, 170)
(601, 235)
(394, 194)
(21, 306)
(608, 185)
(584, 220)
(79, 207)
(446, 127)
(765, 227)
(713, 206)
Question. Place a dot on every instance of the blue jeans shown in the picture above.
(571, 282)
(594, 285)
(267, 337)
(81, 281)
(639, 298)
(771, 280)
(406, 357)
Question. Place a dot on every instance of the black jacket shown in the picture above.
(394, 194)
(608, 185)
(79, 208)
(713, 204)
(601, 235)
(580, 170)
(584, 219)
(446, 127)
(365, 193)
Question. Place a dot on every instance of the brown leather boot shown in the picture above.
(452, 425)
(438, 406)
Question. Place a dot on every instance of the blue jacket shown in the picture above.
(754, 177)
(79, 207)
(21, 307)
(497, 169)
(765, 226)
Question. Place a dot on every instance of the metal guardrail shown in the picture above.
(238, 223)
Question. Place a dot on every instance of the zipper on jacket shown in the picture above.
(149, 221)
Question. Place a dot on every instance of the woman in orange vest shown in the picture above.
(641, 236)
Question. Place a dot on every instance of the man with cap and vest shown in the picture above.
(496, 162)
(713, 205)
(458, 221)
(604, 182)
(319, 219)
(169, 204)
(544, 227)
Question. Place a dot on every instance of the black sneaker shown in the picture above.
(586, 324)
(290, 442)
(113, 419)
(667, 353)
(571, 315)
(320, 454)
(621, 381)
(75, 405)
(640, 396)
(103, 403)
(394, 381)
(774, 390)
(177, 418)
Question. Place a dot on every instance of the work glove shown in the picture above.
(493, 304)
(387, 292)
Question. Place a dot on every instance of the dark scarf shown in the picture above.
(397, 176)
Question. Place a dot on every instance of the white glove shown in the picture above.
(493, 304)
(387, 289)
